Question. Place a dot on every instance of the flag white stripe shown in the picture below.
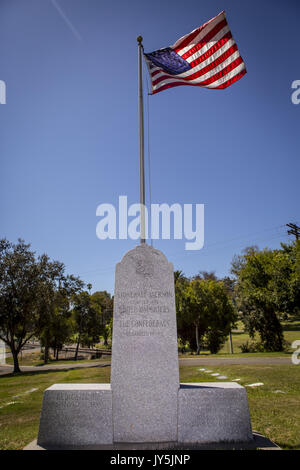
(226, 77)
(214, 84)
(200, 66)
(208, 45)
(204, 77)
(200, 36)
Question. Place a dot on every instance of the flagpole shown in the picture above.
(141, 139)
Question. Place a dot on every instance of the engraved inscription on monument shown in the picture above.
(144, 376)
(146, 303)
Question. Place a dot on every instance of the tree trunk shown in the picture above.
(77, 346)
(46, 353)
(16, 361)
(197, 340)
(57, 351)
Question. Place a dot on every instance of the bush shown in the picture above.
(252, 347)
(286, 346)
(214, 340)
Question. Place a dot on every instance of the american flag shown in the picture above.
(206, 57)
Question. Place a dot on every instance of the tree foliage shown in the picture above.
(88, 320)
(268, 290)
(32, 291)
(105, 301)
(205, 312)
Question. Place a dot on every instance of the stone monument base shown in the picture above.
(76, 415)
(212, 412)
(259, 442)
(81, 415)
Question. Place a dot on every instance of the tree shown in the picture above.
(105, 301)
(26, 293)
(206, 275)
(229, 284)
(58, 328)
(56, 297)
(29, 291)
(19, 286)
(89, 287)
(291, 290)
(267, 289)
(204, 313)
(184, 329)
(87, 317)
(222, 316)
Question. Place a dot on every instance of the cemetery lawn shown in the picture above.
(19, 416)
(274, 406)
(276, 415)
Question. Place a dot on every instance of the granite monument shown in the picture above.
(145, 404)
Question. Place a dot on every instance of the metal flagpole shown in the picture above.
(141, 138)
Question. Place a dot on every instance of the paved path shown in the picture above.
(197, 361)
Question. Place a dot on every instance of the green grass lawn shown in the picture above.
(19, 421)
(276, 415)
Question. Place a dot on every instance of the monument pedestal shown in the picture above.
(145, 402)
(76, 415)
(81, 415)
(213, 412)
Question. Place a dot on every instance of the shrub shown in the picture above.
(251, 347)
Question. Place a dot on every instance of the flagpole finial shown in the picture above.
(139, 39)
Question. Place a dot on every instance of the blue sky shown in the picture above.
(69, 130)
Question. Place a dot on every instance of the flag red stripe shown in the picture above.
(210, 80)
(223, 72)
(206, 69)
(205, 40)
(213, 64)
(188, 38)
(156, 72)
(170, 85)
(220, 87)
(205, 56)
(212, 50)
(231, 80)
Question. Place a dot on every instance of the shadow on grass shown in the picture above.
(62, 361)
(294, 327)
(49, 371)
(288, 447)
